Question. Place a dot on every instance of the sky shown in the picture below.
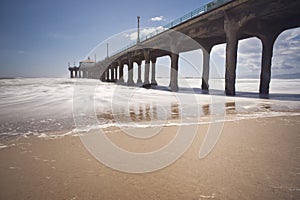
(39, 37)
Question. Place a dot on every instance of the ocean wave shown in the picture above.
(44, 105)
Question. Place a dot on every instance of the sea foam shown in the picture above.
(43, 105)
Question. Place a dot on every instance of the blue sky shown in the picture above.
(39, 37)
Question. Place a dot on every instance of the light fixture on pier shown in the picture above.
(138, 33)
(106, 50)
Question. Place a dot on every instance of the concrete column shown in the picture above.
(76, 72)
(139, 80)
(153, 62)
(174, 72)
(79, 73)
(266, 62)
(130, 71)
(121, 71)
(107, 74)
(205, 71)
(115, 78)
(71, 72)
(112, 74)
(104, 76)
(147, 67)
(231, 29)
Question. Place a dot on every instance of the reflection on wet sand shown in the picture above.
(147, 112)
(142, 112)
(266, 107)
(230, 108)
(175, 111)
(132, 114)
(156, 113)
(206, 110)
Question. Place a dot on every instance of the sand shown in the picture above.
(253, 159)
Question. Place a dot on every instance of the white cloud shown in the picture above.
(21, 52)
(286, 52)
(144, 32)
(158, 18)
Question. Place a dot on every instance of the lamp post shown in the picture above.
(106, 50)
(138, 34)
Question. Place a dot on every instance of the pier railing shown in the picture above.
(195, 13)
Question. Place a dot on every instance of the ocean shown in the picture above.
(49, 106)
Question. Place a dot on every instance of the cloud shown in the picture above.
(21, 52)
(157, 19)
(144, 32)
(249, 57)
(286, 52)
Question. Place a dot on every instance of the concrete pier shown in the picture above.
(112, 74)
(116, 73)
(174, 72)
(108, 75)
(71, 72)
(139, 80)
(206, 68)
(231, 28)
(147, 67)
(74, 72)
(227, 23)
(121, 71)
(153, 62)
(266, 62)
(130, 81)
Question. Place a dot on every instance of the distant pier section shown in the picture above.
(218, 22)
(83, 70)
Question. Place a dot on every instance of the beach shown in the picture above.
(194, 100)
(253, 159)
(54, 135)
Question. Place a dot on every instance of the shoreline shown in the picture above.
(230, 115)
(253, 159)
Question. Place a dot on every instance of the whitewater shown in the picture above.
(42, 106)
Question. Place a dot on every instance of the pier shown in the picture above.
(218, 22)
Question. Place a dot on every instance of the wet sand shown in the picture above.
(253, 159)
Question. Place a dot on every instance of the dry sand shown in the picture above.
(253, 159)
